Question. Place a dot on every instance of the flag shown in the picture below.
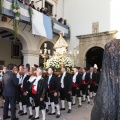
(41, 25)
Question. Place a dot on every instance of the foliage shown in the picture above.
(69, 32)
(1, 4)
(53, 24)
(30, 14)
(16, 10)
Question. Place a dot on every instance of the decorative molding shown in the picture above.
(56, 1)
(30, 52)
(95, 27)
(107, 33)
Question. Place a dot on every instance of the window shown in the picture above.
(16, 50)
(49, 6)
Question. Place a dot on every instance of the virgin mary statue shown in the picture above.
(107, 100)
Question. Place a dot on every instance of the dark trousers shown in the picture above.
(75, 92)
(9, 100)
(1, 89)
(39, 103)
(85, 89)
(65, 95)
(26, 100)
(53, 98)
(93, 88)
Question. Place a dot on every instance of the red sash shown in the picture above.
(83, 82)
(91, 81)
(74, 85)
(33, 91)
(22, 88)
(52, 91)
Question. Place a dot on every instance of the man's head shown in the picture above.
(91, 69)
(50, 70)
(84, 70)
(27, 68)
(63, 69)
(81, 70)
(21, 68)
(32, 2)
(39, 71)
(15, 69)
(4, 69)
(95, 70)
(10, 66)
(76, 69)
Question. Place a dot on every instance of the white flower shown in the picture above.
(17, 18)
(18, 11)
(14, 10)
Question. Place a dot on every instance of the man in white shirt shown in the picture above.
(76, 83)
(65, 88)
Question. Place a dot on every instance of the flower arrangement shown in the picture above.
(58, 62)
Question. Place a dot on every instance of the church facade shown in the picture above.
(92, 24)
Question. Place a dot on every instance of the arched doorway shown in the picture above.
(10, 49)
(94, 56)
(50, 46)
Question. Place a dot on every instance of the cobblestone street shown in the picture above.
(82, 113)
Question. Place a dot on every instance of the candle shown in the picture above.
(40, 51)
(45, 51)
(77, 52)
(48, 51)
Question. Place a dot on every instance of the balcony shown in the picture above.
(25, 17)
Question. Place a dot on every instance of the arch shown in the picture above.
(94, 56)
(84, 50)
(91, 46)
(21, 36)
(42, 41)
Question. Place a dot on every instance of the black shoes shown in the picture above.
(57, 116)
(35, 118)
(23, 114)
(62, 108)
(16, 119)
(47, 110)
(20, 112)
(30, 116)
(79, 106)
(51, 113)
(74, 104)
(6, 117)
(69, 111)
(88, 102)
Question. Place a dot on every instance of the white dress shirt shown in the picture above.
(62, 80)
(36, 82)
(83, 77)
(50, 76)
(91, 73)
(74, 77)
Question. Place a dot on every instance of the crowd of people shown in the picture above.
(44, 11)
(27, 85)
